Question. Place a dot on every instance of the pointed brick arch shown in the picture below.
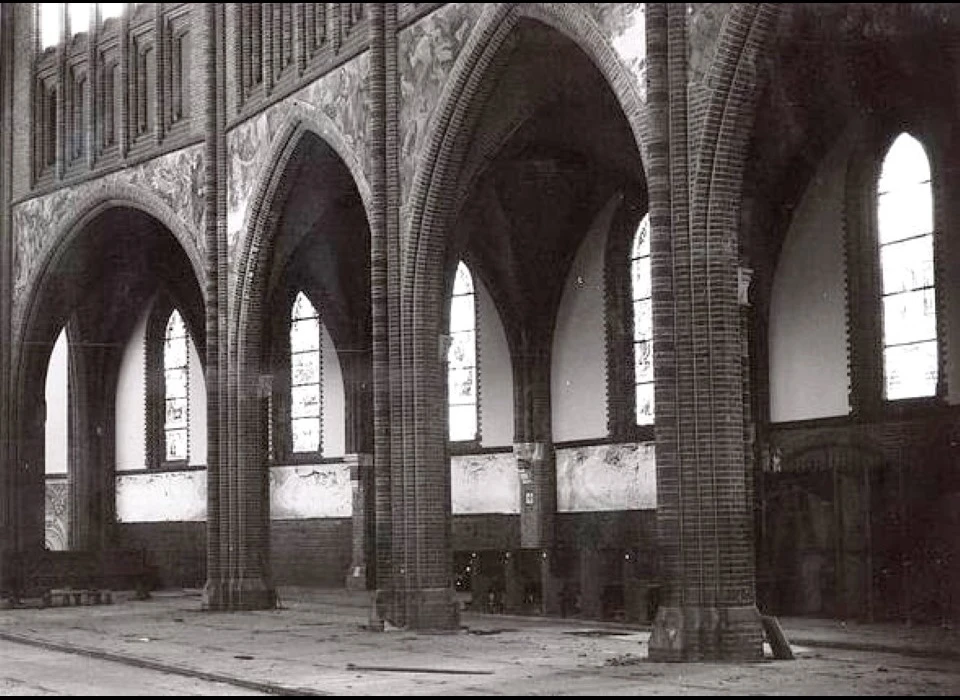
(38, 325)
(246, 495)
(431, 207)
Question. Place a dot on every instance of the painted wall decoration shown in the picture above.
(162, 497)
(606, 477)
(624, 23)
(176, 178)
(341, 95)
(427, 51)
(57, 513)
(486, 483)
(311, 491)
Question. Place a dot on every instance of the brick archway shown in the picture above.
(49, 303)
(436, 190)
(241, 491)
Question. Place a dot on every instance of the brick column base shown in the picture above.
(692, 633)
(360, 468)
(214, 596)
(433, 609)
(252, 593)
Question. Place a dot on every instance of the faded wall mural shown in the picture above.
(57, 513)
(625, 25)
(428, 50)
(304, 491)
(606, 477)
(487, 483)
(340, 95)
(311, 491)
(162, 497)
(176, 179)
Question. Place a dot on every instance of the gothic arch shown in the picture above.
(434, 194)
(254, 246)
(86, 209)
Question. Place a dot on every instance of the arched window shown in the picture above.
(175, 389)
(908, 294)
(642, 322)
(462, 358)
(306, 395)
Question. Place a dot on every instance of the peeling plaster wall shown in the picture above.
(56, 393)
(487, 483)
(310, 491)
(496, 374)
(162, 497)
(578, 384)
(606, 478)
(296, 493)
(807, 324)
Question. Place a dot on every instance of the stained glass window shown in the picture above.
(462, 358)
(905, 234)
(642, 322)
(175, 388)
(306, 397)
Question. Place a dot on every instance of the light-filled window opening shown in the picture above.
(110, 9)
(642, 322)
(306, 394)
(79, 13)
(462, 358)
(50, 18)
(908, 294)
(175, 389)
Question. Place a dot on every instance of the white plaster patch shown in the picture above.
(162, 497)
(606, 477)
(484, 484)
(311, 491)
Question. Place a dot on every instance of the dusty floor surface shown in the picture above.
(317, 643)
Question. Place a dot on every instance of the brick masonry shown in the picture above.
(694, 143)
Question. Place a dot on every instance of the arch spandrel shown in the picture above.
(168, 188)
(334, 107)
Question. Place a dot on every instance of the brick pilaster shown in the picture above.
(6, 278)
(215, 597)
(704, 517)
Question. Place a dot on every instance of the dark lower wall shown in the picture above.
(605, 564)
(304, 552)
(478, 532)
(177, 550)
(861, 519)
(314, 552)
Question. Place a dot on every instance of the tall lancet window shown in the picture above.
(905, 236)
(642, 322)
(306, 406)
(462, 358)
(175, 389)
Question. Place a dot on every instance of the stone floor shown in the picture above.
(317, 643)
